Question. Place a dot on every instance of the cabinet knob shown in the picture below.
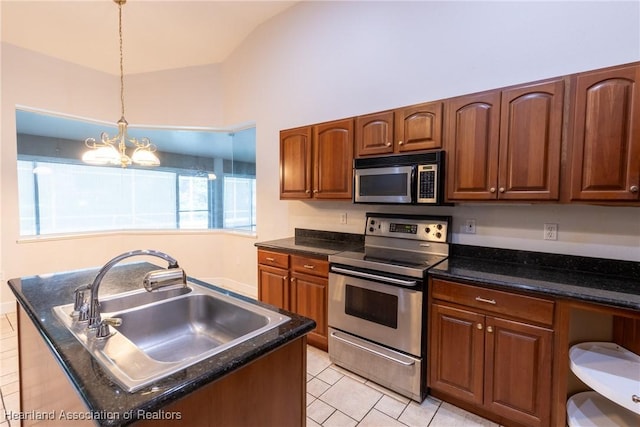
(307, 191)
(388, 144)
(292, 279)
(502, 189)
(479, 326)
(634, 189)
(492, 190)
(400, 142)
(315, 191)
(489, 329)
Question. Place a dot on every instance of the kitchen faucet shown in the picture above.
(153, 280)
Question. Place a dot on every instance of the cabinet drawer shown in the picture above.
(315, 266)
(514, 305)
(275, 259)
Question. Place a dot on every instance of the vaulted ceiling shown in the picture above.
(158, 34)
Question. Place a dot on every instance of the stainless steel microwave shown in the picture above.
(400, 179)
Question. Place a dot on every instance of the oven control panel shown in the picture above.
(433, 230)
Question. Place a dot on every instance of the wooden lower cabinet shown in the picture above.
(298, 284)
(500, 366)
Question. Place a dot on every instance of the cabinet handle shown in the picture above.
(292, 279)
(634, 189)
(488, 301)
(502, 189)
(307, 191)
(315, 191)
(388, 144)
(479, 326)
(400, 142)
(489, 329)
(492, 190)
(635, 398)
(311, 267)
(270, 259)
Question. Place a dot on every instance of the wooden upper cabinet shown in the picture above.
(530, 141)
(333, 160)
(419, 127)
(295, 163)
(412, 128)
(472, 138)
(316, 161)
(374, 134)
(605, 143)
(505, 144)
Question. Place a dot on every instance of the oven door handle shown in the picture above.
(400, 282)
(370, 350)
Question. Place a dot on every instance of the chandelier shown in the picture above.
(112, 151)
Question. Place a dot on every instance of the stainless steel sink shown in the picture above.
(187, 327)
(169, 331)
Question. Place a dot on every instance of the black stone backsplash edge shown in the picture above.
(619, 268)
(329, 235)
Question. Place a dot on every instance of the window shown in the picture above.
(201, 189)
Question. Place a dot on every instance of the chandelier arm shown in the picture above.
(120, 3)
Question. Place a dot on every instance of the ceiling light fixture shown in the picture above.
(112, 151)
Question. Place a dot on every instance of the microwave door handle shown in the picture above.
(414, 184)
(407, 283)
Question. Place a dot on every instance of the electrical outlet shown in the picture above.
(343, 218)
(551, 231)
(470, 226)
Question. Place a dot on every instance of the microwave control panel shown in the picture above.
(427, 184)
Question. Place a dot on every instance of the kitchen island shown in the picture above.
(261, 381)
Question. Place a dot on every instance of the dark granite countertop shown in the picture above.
(596, 280)
(316, 243)
(39, 294)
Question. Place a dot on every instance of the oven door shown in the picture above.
(390, 184)
(377, 308)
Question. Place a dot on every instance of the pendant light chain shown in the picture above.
(120, 3)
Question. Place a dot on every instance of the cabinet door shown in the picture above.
(309, 296)
(333, 160)
(518, 371)
(605, 158)
(472, 139)
(456, 352)
(419, 127)
(374, 134)
(530, 141)
(295, 163)
(273, 286)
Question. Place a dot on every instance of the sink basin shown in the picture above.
(163, 332)
(187, 327)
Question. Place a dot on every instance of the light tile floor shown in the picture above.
(335, 397)
(9, 386)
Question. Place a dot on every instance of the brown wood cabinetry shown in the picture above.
(493, 350)
(506, 144)
(605, 143)
(298, 284)
(316, 161)
(412, 128)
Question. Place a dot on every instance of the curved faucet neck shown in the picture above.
(94, 308)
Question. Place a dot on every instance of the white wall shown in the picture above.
(321, 61)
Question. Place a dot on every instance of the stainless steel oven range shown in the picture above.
(377, 300)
